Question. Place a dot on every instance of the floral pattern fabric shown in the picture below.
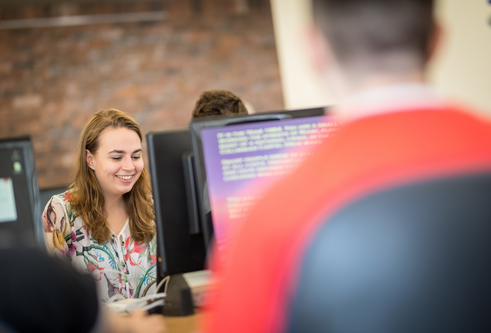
(120, 266)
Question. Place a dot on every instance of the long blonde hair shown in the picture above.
(86, 196)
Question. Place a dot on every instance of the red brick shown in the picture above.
(54, 79)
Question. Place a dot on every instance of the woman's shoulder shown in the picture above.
(64, 202)
(63, 198)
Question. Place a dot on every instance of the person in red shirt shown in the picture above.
(395, 129)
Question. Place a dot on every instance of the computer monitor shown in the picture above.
(20, 213)
(180, 244)
(238, 157)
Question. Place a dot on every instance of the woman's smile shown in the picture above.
(125, 179)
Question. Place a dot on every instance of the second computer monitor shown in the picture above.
(238, 158)
(180, 244)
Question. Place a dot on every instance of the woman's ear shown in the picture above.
(89, 159)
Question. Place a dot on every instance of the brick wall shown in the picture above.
(53, 79)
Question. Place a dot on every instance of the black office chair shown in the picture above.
(412, 258)
(4, 328)
(45, 294)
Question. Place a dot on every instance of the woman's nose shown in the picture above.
(128, 164)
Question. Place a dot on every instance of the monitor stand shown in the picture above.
(185, 292)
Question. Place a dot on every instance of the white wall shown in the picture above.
(301, 86)
(461, 69)
(462, 66)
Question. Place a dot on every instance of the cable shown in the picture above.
(154, 296)
(164, 280)
(115, 298)
(153, 305)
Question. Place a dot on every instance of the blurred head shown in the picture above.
(109, 164)
(217, 103)
(367, 36)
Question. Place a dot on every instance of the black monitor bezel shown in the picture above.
(180, 248)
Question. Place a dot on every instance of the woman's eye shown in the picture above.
(136, 157)
(116, 158)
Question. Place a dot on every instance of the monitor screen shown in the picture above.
(8, 211)
(180, 243)
(241, 159)
(20, 215)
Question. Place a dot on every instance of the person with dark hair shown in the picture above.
(362, 45)
(45, 294)
(104, 224)
(218, 103)
(395, 129)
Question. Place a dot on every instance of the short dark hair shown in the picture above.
(370, 29)
(218, 102)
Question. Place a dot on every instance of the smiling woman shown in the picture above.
(104, 224)
(117, 165)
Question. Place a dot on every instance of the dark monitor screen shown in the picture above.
(20, 215)
(180, 244)
(238, 158)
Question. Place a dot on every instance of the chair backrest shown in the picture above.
(4, 328)
(412, 258)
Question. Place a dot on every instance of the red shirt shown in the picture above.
(254, 285)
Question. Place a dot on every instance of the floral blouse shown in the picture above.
(119, 266)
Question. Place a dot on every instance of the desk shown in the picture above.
(185, 324)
